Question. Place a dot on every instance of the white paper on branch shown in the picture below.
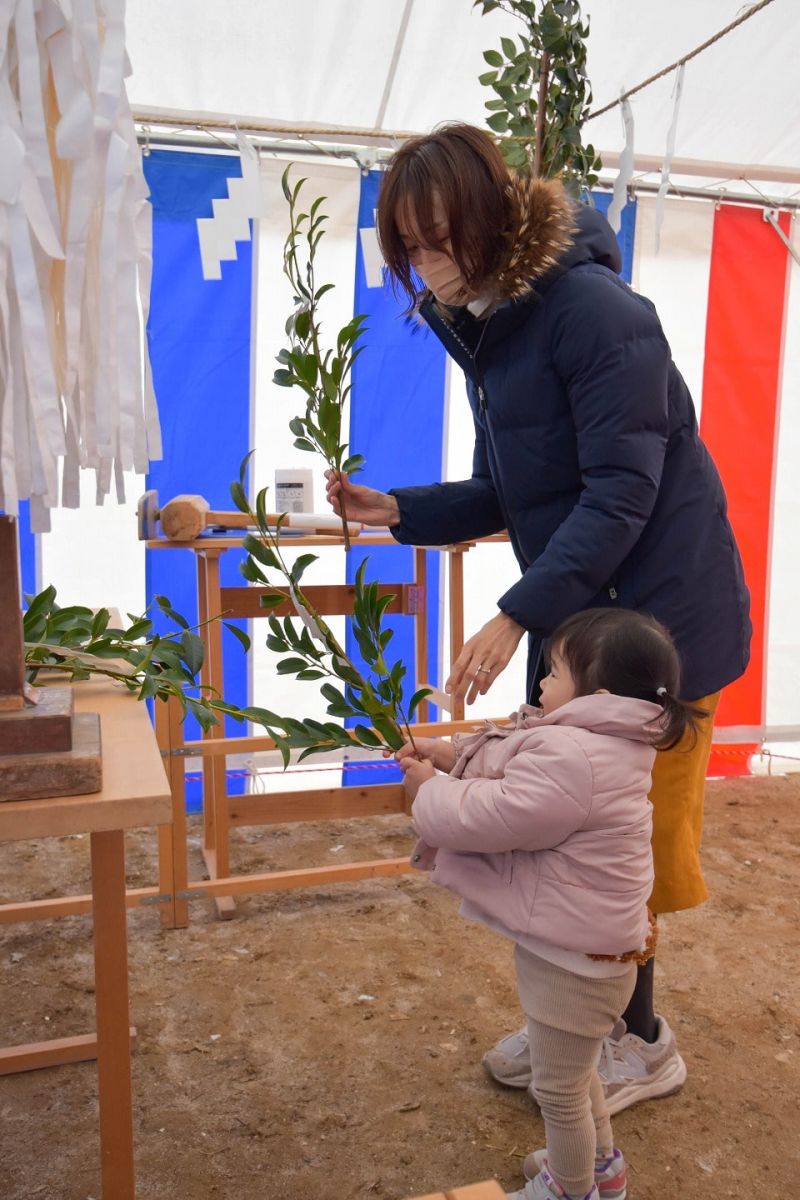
(75, 258)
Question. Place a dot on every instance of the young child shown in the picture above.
(543, 828)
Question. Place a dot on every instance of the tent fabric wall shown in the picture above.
(199, 337)
(744, 338)
(214, 318)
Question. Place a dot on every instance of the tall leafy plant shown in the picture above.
(323, 375)
(541, 92)
(375, 698)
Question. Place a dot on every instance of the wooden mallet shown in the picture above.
(185, 518)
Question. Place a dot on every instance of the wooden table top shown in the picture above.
(135, 790)
(292, 538)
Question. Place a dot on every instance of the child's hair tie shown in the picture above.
(662, 691)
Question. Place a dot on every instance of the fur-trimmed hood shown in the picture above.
(542, 230)
(550, 233)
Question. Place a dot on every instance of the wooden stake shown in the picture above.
(12, 645)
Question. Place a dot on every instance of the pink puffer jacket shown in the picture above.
(545, 826)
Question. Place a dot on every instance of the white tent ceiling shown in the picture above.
(405, 65)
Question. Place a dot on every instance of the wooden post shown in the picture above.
(44, 751)
(111, 1001)
(12, 645)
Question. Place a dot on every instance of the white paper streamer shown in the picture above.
(667, 163)
(625, 173)
(75, 257)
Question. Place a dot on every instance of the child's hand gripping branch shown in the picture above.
(420, 761)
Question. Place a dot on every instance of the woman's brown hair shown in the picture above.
(461, 165)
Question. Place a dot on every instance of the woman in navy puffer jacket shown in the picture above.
(587, 451)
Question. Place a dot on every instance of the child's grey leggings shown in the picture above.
(568, 1017)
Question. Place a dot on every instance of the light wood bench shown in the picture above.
(488, 1190)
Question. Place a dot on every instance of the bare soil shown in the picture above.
(325, 1044)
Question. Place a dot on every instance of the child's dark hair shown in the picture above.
(630, 654)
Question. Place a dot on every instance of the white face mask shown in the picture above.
(435, 267)
(441, 275)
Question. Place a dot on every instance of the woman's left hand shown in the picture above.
(415, 773)
(483, 657)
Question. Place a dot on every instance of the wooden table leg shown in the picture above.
(456, 618)
(111, 1001)
(173, 867)
(421, 627)
(216, 820)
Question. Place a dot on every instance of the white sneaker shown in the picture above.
(509, 1062)
(544, 1187)
(632, 1070)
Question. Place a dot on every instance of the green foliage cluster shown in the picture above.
(324, 376)
(312, 652)
(82, 642)
(542, 94)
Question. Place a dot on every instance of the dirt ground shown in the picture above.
(325, 1044)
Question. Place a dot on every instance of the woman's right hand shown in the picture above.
(361, 503)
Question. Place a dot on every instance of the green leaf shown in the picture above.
(509, 47)
(242, 638)
(270, 600)
(493, 57)
(251, 571)
(262, 716)
(352, 464)
(193, 651)
(367, 737)
(300, 565)
(40, 603)
(391, 734)
(498, 122)
(100, 622)
(260, 550)
(309, 369)
(239, 498)
(138, 629)
(302, 324)
(165, 606)
(417, 699)
(288, 666)
(283, 378)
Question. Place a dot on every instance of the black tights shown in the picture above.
(639, 1015)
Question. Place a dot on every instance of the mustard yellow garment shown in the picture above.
(678, 790)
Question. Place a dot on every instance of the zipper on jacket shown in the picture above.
(479, 374)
